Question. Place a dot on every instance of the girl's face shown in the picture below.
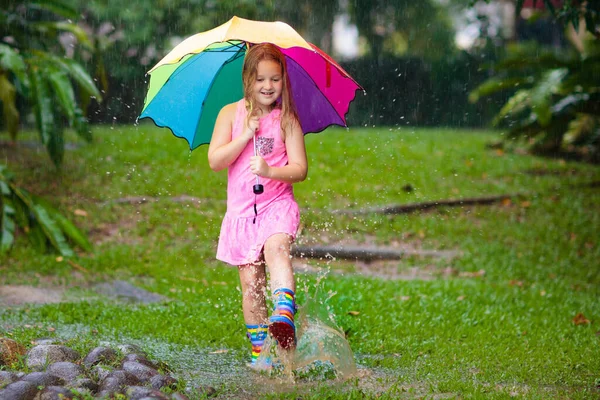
(268, 84)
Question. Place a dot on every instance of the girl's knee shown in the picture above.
(278, 244)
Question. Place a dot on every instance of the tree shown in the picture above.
(424, 29)
(33, 67)
(556, 102)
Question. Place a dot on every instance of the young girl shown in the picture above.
(260, 228)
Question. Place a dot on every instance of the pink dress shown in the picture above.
(242, 236)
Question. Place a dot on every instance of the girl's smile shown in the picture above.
(268, 84)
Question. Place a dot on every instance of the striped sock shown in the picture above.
(281, 323)
(257, 335)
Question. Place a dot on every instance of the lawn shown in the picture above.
(497, 320)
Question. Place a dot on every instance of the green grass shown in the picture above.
(505, 332)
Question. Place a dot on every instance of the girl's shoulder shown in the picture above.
(229, 111)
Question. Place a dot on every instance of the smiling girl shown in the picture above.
(260, 136)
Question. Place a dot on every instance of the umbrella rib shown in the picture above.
(230, 60)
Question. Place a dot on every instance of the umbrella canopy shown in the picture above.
(191, 84)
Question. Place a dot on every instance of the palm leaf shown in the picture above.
(65, 225)
(517, 103)
(7, 227)
(494, 85)
(12, 61)
(52, 231)
(42, 102)
(541, 94)
(37, 237)
(8, 96)
(79, 74)
(80, 123)
(57, 7)
(56, 146)
(63, 91)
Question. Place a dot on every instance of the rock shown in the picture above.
(84, 384)
(20, 390)
(127, 291)
(123, 378)
(55, 393)
(133, 357)
(100, 372)
(10, 351)
(141, 392)
(66, 370)
(179, 396)
(109, 387)
(41, 355)
(43, 379)
(100, 355)
(142, 372)
(160, 381)
(131, 349)
(7, 378)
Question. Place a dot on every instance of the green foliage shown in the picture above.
(42, 223)
(31, 69)
(555, 100)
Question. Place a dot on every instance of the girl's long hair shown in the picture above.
(255, 54)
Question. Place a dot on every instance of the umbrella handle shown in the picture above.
(257, 188)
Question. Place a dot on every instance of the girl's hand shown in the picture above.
(258, 166)
(251, 128)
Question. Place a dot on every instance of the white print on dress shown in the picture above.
(264, 145)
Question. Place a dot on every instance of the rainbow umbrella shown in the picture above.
(190, 85)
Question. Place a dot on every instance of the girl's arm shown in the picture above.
(222, 151)
(297, 167)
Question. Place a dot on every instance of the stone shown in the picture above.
(141, 392)
(160, 381)
(123, 378)
(84, 384)
(43, 379)
(10, 351)
(179, 396)
(142, 372)
(20, 390)
(100, 355)
(134, 357)
(55, 393)
(41, 355)
(109, 387)
(7, 378)
(100, 372)
(66, 370)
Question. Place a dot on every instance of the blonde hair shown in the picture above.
(255, 54)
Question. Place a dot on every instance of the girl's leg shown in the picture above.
(277, 257)
(253, 280)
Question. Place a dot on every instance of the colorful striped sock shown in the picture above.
(281, 323)
(257, 335)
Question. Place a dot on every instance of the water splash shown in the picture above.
(321, 350)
